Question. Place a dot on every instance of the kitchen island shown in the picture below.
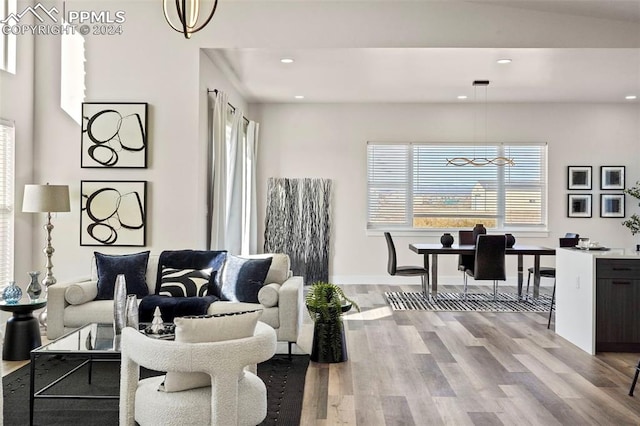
(598, 299)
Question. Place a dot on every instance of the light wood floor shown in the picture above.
(426, 368)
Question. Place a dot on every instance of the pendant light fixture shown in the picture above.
(475, 160)
(188, 12)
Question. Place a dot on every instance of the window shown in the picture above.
(8, 41)
(6, 200)
(410, 186)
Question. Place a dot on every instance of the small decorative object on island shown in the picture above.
(35, 289)
(12, 293)
(446, 240)
(477, 230)
(119, 304)
(510, 239)
(633, 223)
(326, 302)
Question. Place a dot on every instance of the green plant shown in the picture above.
(633, 223)
(325, 302)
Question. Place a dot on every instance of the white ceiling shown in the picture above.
(442, 74)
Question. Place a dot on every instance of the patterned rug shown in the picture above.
(475, 302)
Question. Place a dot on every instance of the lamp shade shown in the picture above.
(45, 198)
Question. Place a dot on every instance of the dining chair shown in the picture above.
(570, 240)
(489, 262)
(409, 271)
(465, 261)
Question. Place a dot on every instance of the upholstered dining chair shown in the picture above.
(465, 261)
(489, 262)
(569, 240)
(236, 396)
(407, 271)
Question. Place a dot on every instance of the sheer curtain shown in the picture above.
(232, 212)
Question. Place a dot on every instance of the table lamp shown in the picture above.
(46, 199)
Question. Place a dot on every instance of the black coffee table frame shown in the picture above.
(105, 353)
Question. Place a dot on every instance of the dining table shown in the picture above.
(433, 250)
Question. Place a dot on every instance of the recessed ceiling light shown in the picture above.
(286, 60)
(504, 61)
(299, 97)
(462, 97)
(631, 97)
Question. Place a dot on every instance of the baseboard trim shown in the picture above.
(442, 280)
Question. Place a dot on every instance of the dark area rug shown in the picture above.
(284, 380)
(475, 302)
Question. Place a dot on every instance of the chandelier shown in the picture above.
(481, 161)
(188, 12)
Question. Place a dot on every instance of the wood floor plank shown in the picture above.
(459, 368)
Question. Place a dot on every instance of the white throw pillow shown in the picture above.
(208, 328)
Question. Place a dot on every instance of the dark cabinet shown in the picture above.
(618, 305)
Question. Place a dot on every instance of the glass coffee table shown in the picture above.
(89, 343)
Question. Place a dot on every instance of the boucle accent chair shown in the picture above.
(236, 396)
(73, 304)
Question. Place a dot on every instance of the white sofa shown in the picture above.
(72, 305)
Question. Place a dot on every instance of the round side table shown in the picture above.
(22, 332)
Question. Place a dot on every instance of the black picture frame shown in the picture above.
(114, 135)
(612, 177)
(579, 177)
(612, 205)
(579, 205)
(113, 213)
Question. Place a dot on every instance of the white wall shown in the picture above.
(151, 63)
(329, 141)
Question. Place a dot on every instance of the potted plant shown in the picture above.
(633, 223)
(326, 303)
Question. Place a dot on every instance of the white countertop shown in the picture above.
(616, 253)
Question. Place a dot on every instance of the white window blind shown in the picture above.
(411, 186)
(7, 134)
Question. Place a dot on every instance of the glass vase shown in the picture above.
(12, 293)
(34, 290)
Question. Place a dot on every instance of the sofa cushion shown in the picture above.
(191, 259)
(134, 268)
(82, 292)
(208, 328)
(185, 282)
(241, 279)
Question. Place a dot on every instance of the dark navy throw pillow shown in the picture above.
(134, 268)
(241, 279)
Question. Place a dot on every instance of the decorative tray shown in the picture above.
(601, 248)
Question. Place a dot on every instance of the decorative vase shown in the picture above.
(477, 230)
(446, 240)
(12, 293)
(119, 304)
(34, 290)
(510, 239)
(131, 308)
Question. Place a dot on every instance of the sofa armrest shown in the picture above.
(290, 308)
(56, 303)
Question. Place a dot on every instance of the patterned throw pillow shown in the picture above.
(184, 282)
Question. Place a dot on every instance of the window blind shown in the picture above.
(7, 134)
(410, 185)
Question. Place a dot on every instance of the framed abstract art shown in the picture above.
(113, 213)
(114, 135)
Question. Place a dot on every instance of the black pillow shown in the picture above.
(191, 259)
(241, 279)
(134, 268)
